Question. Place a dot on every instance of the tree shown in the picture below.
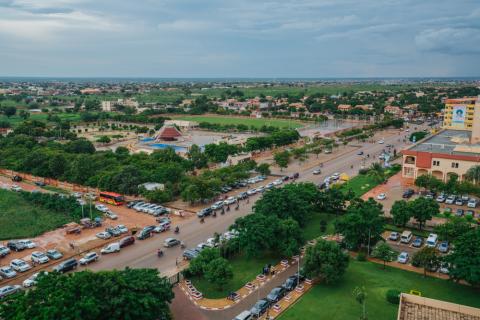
(198, 266)
(256, 233)
(93, 295)
(360, 295)
(385, 253)
(401, 213)
(104, 139)
(325, 260)
(464, 261)
(263, 169)
(377, 172)
(332, 200)
(292, 238)
(198, 158)
(453, 228)
(426, 258)
(362, 224)
(473, 174)
(80, 146)
(423, 209)
(9, 111)
(219, 272)
(282, 159)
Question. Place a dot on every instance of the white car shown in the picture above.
(29, 244)
(317, 171)
(88, 258)
(217, 205)
(472, 203)
(77, 195)
(109, 214)
(122, 228)
(381, 141)
(211, 243)
(202, 246)
(230, 200)
(110, 248)
(16, 188)
(277, 182)
(7, 290)
(251, 192)
(39, 257)
(403, 257)
(269, 186)
(103, 235)
(4, 251)
(335, 176)
(32, 280)
(101, 207)
(382, 196)
(260, 189)
(20, 265)
(7, 272)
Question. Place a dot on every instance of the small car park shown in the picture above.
(8, 290)
(54, 254)
(88, 258)
(67, 265)
(7, 272)
(19, 265)
(259, 308)
(276, 294)
(171, 242)
(403, 257)
(111, 248)
(39, 257)
(127, 241)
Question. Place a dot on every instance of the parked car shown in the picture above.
(394, 236)
(204, 212)
(430, 195)
(417, 242)
(382, 196)
(17, 178)
(113, 231)
(292, 282)
(242, 195)
(28, 244)
(4, 251)
(190, 254)
(111, 248)
(335, 176)
(131, 204)
(7, 272)
(15, 245)
(406, 236)
(451, 199)
(403, 257)
(360, 153)
(441, 198)
(459, 202)
(444, 268)
(19, 265)
(244, 315)
(259, 308)
(465, 197)
(276, 294)
(251, 192)
(32, 280)
(122, 228)
(8, 290)
(54, 254)
(472, 203)
(171, 242)
(230, 200)
(459, 212)
(408, 193)
(217, 205)
(109, 214)
(40, 183)
(67, 265)
(277, 182)
(88, 258)
(103, 235)
(164, 226)
(432, 240)
(443, 247)
(381, 141)
(39, 257)
(144, 235)
(470, 213)
(101, 207)
(16, 188)
(124, 242)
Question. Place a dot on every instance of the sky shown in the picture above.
(241, 38)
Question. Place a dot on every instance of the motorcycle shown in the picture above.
(160, 253)
(177, 230)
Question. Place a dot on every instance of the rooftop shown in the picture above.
(454, 142)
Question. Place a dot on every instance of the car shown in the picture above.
(146, 208)
(242, 195)
(211, 242)
(382, 196)
(67, 265)
(259, 308)
(459, 212)
(39, 257)
(171, 242)
(441, 198)
(381, 141)
(403, 257)
(15, 245)
(360, 153)
(81, 202)
(451, 199)
(40, 183)
(163, 219)
(230, 200)
(472, 203)
(444, 268)
(269, 185)
(4, 251)
(244, 315)
(131, 204)
(230, 235)
(16, 188)
(459, 202)
(291, 283)
(251, 192)
(28, 244)
(113, 231)
(317, 172)
(109, 214)
(443, 247)
(54, 254)
(77, 195)
(19, 265)
(432, 240)
(8, 290)
(127, 241)
(277, 182)
(144, 235)
(201, 246)
(276, 294)
(394, 236)
(104, 235)
(335, 176)
(122, 228)
(447, 210)
(430, 195)
(111, 248)
(137, 205)
(417, 242)
(261, 189)
(408, 193)
(327, 151)
(470, 213)
(101, 207)
(190, 254)
(7, 272)
(88, 258)
(164, 226)
(465, 197)
(17, 178)
(32, 280)
(204, 212)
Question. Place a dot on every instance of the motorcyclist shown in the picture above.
(159, 252)
(177, 229)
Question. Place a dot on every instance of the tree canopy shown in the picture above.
(325, 260)
(464, 261)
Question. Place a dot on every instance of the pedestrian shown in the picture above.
(72, 246)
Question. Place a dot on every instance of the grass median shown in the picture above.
(257, 123)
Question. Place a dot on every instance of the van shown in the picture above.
(432, 240)
(244, 315)
(110, 248)
(406, 237)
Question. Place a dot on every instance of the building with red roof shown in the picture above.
(168, 133)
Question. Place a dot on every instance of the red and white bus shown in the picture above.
(112, 198)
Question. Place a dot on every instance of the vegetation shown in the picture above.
(384, 252)
(368, 179)
(421, 209)
(426, 258)
(250, 122)
(464, 261)
(93, 295)
(325, 260)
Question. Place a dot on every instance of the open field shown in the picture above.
(246, 121)
(40, 117)
(20, 219)
(336, 302)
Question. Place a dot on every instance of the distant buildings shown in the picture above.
(344, 107)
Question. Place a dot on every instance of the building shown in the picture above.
(184, 124)
(107, 106)
(344, 107)
(394, 110)
(413, 307)
(168, 133)
(462, 113)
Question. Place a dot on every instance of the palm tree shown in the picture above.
(376, 171)
(473, 174)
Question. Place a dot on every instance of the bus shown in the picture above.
(112, 198)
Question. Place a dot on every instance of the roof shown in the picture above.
(419, 308)
(169, 132)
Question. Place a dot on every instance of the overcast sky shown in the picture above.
(240, 38)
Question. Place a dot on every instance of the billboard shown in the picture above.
(458, 115)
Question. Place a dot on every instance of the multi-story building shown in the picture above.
(459, 113)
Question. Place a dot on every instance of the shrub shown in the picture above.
(361, 256)
(393, 296)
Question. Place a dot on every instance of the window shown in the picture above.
(436, 163)
(454, 164)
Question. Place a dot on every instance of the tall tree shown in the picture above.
(465, 259)
(219, 272)
(282, 159)
(473, 174)
(325, 260)
(426, 258)
(423, 210)
(385, 253)
(401, 213)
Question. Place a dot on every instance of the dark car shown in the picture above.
(417, 242)
(130, 204)
(204, 212)
(285, 178)
(290, 283)
(242, 195)
(260, 307)
(144, 234)
(40, 183)
(113, 231)
(66, 265)
(276, 294)
(15, 245)
(459, 212)
(127, 241)
(190, 254)
(17, 178)
(408, 193)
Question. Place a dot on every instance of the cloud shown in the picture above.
(184, 25)
(449, 40)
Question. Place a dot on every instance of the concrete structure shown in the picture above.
(394, 110)
(107, 106)
(184, 124)
(419, 308)
(462, 113)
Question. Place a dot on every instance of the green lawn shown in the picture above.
(363, 183)
(244, 270)
(336, 302)
(312, 229)
(20, 219)
(280, 123)
(16, 119)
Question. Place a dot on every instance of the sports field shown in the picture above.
(279, 123)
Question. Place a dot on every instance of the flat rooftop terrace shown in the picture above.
(455, 142)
